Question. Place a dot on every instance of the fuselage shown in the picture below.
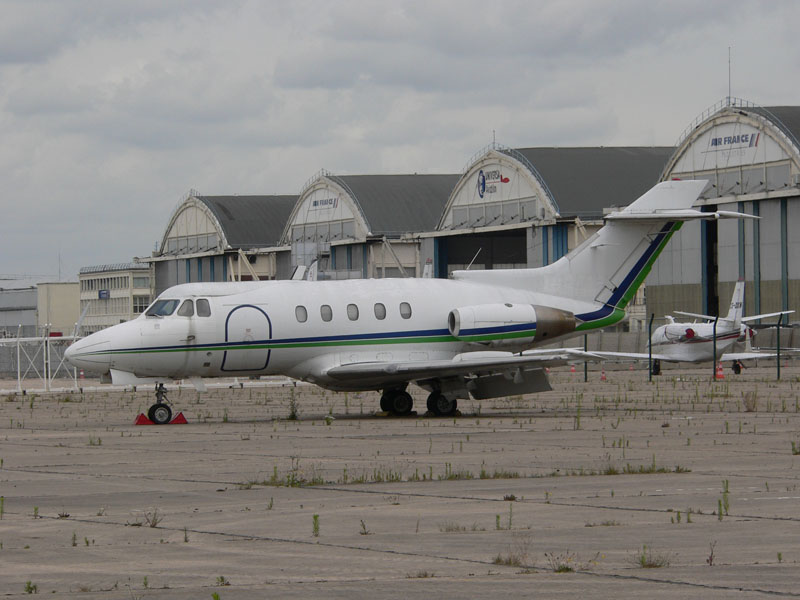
(694, 342)
(301, 328)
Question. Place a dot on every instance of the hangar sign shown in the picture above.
(489, 180)
(729, 145)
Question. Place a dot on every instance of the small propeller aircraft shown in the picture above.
(472, 335)
(694, 342)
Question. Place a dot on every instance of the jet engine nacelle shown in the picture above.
(504, 325)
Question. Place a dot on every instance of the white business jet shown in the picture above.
(473, 334)
(694, 342)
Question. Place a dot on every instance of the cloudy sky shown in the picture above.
(110, 112)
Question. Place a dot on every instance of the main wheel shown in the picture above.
(656, 367)
(737, 367)
(160, 413)
(386, 403)
(441, 405)
(432, 403)
(402, 403)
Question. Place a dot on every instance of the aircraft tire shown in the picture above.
(386, 403)
(402, 403)
(737, 367)
(441, 405)
(656, 367)
(160, 413)
(432, 403)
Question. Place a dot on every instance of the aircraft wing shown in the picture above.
(747, 355)
(643, 356)
(475, 364)
(623, 356)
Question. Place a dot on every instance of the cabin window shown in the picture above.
(405, 310)
(162, 308)
(301, 313)
(203, 308)
(326, 312)
(186, 309)
(352, 312)
(380, 311)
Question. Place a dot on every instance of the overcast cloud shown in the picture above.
(111, 111)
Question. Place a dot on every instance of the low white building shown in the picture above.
(112, 294)
(57, 308)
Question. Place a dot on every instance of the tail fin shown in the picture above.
(604, 272)
(737, 303)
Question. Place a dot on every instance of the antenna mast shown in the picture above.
(729, 75)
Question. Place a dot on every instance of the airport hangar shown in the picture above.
(524, 207)
(500, 212)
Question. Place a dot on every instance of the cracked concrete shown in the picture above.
(589, 476)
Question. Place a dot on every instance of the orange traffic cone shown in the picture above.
(720, 373)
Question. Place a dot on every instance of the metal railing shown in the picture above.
(732, 102)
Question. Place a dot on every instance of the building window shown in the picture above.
(380, 311)
(405, 310)
(352, 312)
(326, 312)
(140, 304)
(141, 282)
(301, 314)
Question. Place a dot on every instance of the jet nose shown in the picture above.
(90, 353)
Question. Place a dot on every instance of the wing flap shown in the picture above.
(383, 373)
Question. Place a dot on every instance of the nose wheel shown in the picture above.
(160, 413)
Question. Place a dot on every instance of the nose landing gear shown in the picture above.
(160, 413)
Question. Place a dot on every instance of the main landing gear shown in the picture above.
(160, 413)
(441, 405)
(399, 402)
(656, 367)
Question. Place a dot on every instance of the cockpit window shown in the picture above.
(162, 308)
(186, 309)
(203, 308)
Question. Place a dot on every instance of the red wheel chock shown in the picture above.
(178, 419)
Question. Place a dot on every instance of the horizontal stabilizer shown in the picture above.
(775, 314)
(677, 215)
(695, 315)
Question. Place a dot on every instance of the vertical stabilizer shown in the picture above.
(737, 303)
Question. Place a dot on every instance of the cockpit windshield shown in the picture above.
(162, 308)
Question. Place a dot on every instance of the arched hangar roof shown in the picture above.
(237, 221)
(584, 181)
(250, 221)
(733, 134)
(396, 204)
(367, 205)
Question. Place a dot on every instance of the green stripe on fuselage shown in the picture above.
(619, 312)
